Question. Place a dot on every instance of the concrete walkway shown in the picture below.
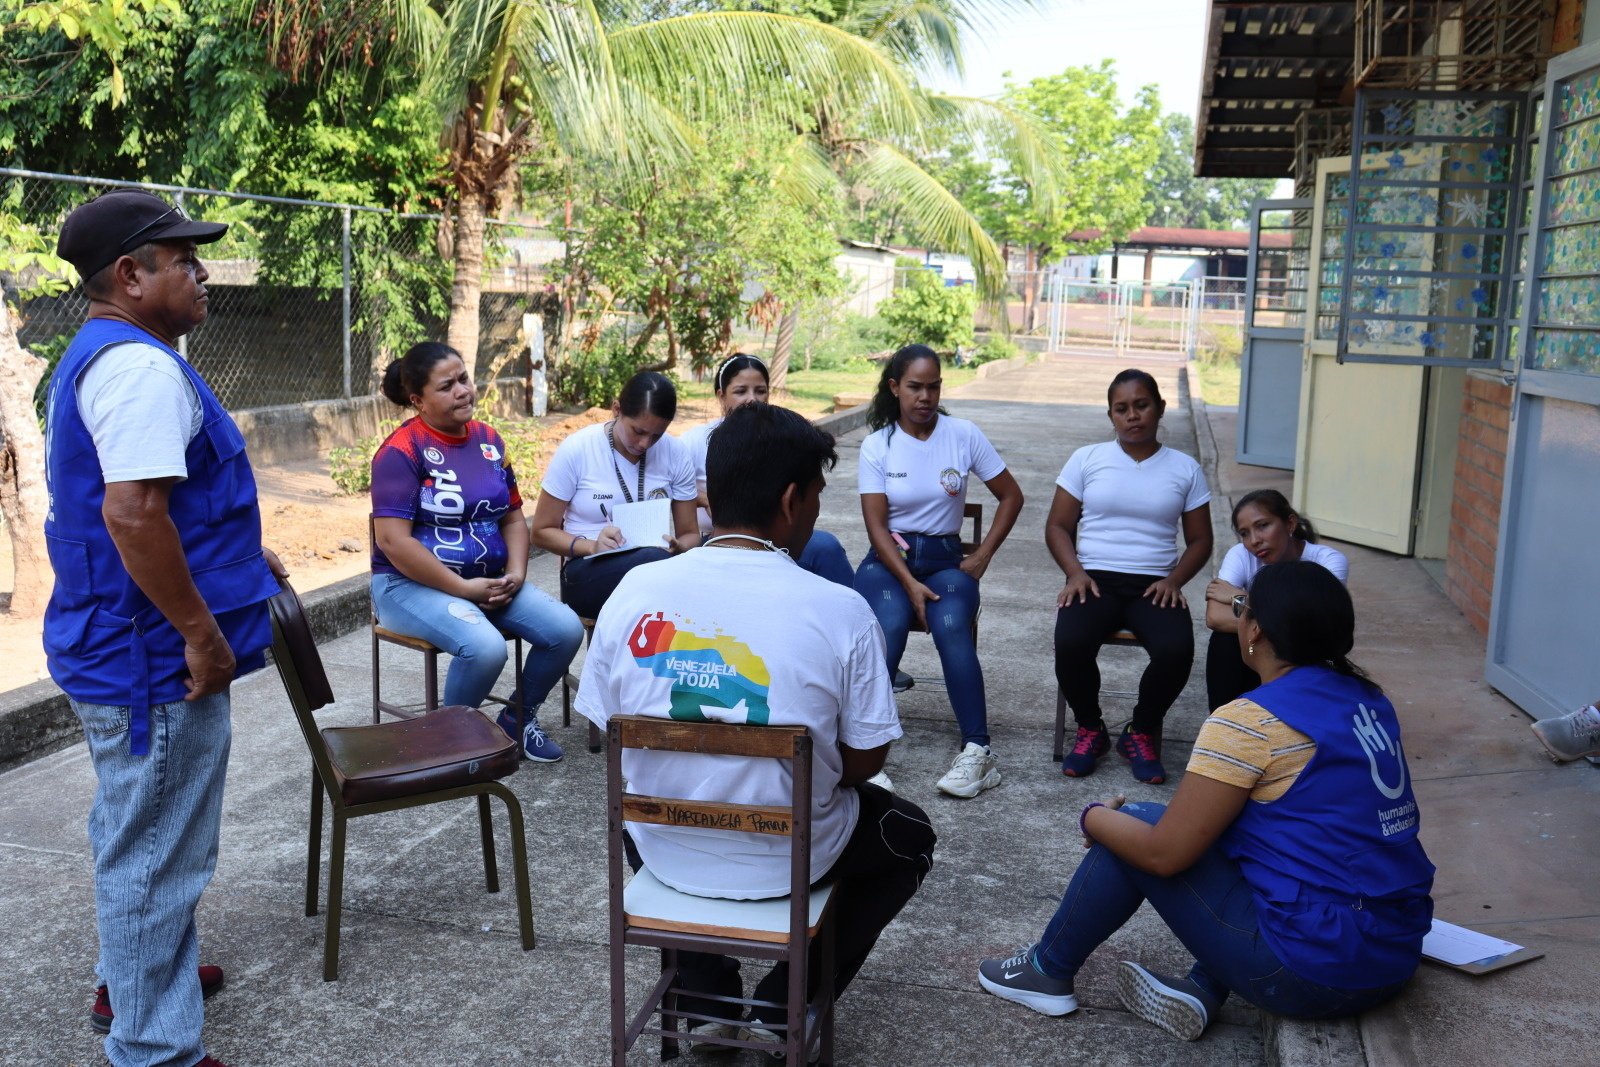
(431, 972)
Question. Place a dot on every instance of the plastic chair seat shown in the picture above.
(649, 903)
(451, 747)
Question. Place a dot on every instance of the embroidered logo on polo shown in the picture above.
(658, 493)
(433, 455)
(950, 481)
(715, 677)
(490, 453)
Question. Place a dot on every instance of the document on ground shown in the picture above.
(1458, 946)
(643, 524)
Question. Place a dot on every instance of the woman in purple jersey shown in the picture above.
(450, 556)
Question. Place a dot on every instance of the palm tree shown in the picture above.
(516, 78)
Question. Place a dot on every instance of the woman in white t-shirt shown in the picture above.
(913, 480)
(742, 379)
(1113, 529)
(1270, 531)
(626, 460)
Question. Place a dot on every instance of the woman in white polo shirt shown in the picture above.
(1270, 531)
(742, 379)
(1113, 529)
(913, 480)
(622, 461)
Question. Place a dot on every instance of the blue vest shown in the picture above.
(106, 643)
(1341, 881)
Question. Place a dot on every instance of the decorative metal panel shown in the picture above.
(1427, 257)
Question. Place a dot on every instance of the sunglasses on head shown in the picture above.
(129, 242)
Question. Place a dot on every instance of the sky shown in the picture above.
(1152, 41)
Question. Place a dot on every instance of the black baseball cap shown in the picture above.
(115, 223)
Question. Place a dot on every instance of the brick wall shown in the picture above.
(1475, 508)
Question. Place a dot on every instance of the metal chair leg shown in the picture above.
(519, 864)
(431, 667)
(314, 844)
(669, 1005)
(491, 873)
(330, 948)
(376, 699)
(1061, 725)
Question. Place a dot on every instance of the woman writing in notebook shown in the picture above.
(619, 463)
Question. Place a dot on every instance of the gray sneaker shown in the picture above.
(1177, 1005)
(902, 681)
(1019, 979)
(973, 771)
(756, 1030)
(1571, 736)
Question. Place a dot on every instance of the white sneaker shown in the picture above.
(881, 780)
(1571, 736)
(974, 770)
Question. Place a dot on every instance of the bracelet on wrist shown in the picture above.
(572, 549)
(1084, 815)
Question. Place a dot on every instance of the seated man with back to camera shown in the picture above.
(788, 648)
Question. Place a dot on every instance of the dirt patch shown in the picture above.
(318, 532)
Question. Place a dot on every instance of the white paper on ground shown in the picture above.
(643, 524)
(1457, 946)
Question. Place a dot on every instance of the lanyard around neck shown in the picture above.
(629, 497)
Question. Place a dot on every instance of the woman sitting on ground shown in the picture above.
(1113, 529)
(913, 479)
(742, 379)
(1270, 531)
(623, 461)
(1288, 862)
(451, 548)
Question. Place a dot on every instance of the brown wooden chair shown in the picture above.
(649, 913)
(1124, 638)
(449, 755)
(430, 667)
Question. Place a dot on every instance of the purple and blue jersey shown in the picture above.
(455, 491)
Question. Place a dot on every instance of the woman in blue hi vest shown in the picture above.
(1288, 862)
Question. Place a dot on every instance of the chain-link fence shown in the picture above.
(308, 300)
(1219, 319)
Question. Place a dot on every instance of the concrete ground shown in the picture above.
(431, 969)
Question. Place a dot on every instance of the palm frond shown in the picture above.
(806, 176)
(1025, 143)
(942, 220)
(713, 65)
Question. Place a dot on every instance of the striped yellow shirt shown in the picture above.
(1245, 745)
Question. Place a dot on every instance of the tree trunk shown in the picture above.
(1030, 289)
(466, 287)
(22, 497)
(783, 347)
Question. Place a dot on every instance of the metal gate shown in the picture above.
(1119, 315)
(1274, 332)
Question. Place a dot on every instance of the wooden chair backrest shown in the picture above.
(974, 512)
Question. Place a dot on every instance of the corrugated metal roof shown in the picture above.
(1264, 65)
(1173, 238)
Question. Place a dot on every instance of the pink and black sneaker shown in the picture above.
(1143, 753)
(1087, 749)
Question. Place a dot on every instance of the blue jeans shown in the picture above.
(1212, 909)
(474, 638)
(153, 832)
(935, 562)
(824, 556)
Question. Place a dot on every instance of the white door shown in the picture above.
(1359, 424)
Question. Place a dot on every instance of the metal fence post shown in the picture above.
(346, 303)
(183, 339)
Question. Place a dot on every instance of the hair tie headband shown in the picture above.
(717, 382)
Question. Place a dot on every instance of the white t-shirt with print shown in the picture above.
(582, 474)
(1132, 509)
(141, 411)
(926, 481)
(1239, 568)
(698, 440)
(740, 636)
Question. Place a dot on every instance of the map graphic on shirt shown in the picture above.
(715, 677)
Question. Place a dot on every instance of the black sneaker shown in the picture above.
(1177, 1005)
(1020, 979)
(902, 681)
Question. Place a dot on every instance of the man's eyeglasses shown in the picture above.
(129, 242)
(1241, 606)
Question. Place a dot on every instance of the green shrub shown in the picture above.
(996, 347)
(351, 467)
(1220, 344)
(592, 375)
(840, 345)
(926, 312)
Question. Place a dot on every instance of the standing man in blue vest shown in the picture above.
(159, 603)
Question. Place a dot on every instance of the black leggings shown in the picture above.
(587, 582)
(1167, 634)
(1227, 678)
